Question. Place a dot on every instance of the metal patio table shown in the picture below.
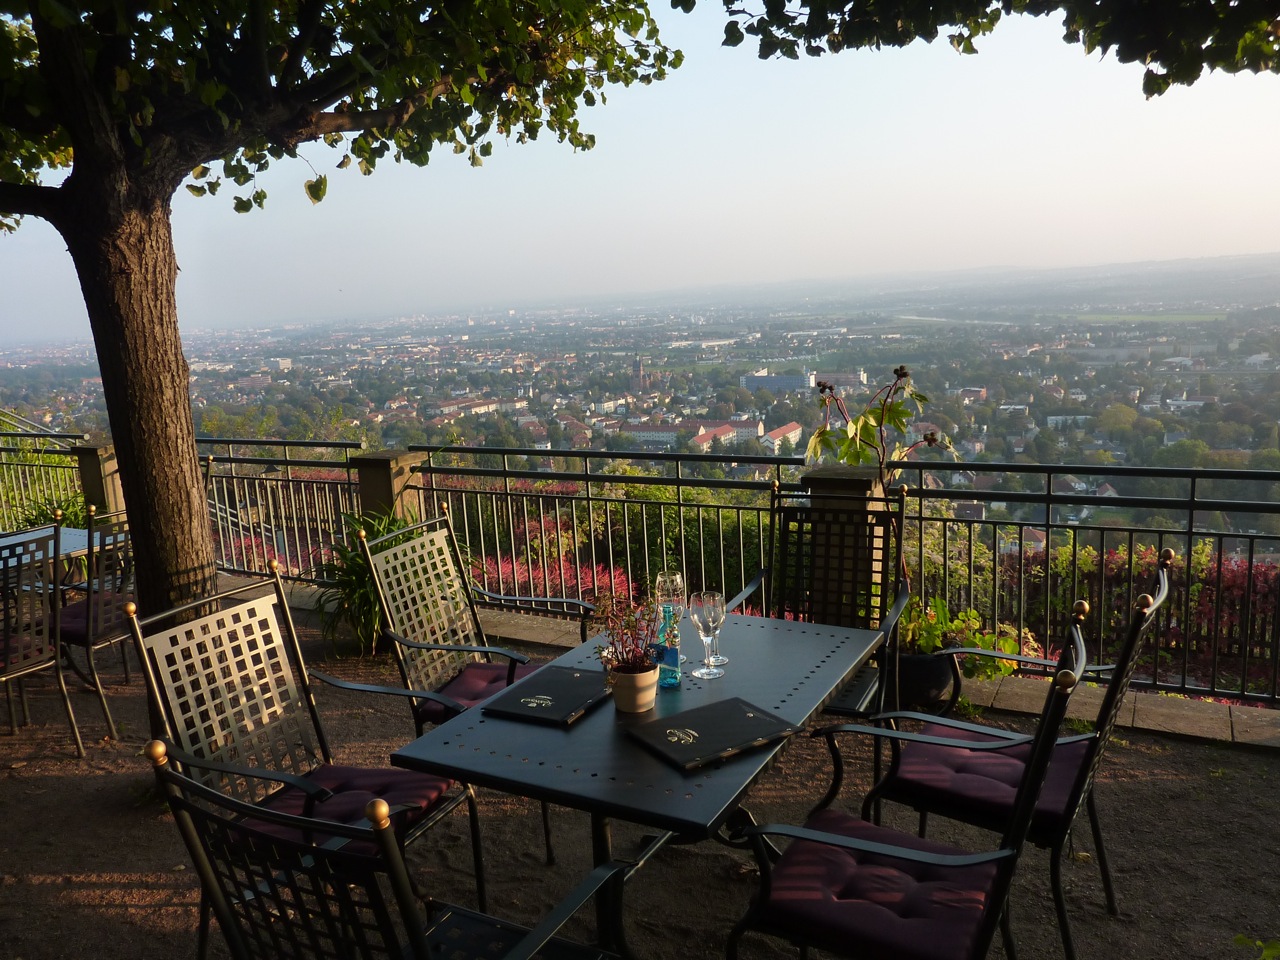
(786, 667)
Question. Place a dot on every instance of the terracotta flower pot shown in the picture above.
(634, 692)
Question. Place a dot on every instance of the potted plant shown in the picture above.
(925, 629)
(631, 632)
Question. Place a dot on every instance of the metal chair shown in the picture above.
(941, 770)
(97, 620)
(30, 629)
(835, 560)
(283, 885)
(854, 888)
(430, 617)
(231, 690)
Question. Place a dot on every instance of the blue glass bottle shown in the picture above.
(669, 649)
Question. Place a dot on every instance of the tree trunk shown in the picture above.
(124, 256)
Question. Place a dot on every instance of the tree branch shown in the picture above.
(347, 121)
(258, 47)
(32, 200)
(308, 29)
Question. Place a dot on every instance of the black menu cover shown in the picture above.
(692, 738)
(553, 695)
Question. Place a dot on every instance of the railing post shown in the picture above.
(100, 477)
(383, 477)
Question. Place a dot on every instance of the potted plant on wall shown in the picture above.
(631, 632)
(876, 437)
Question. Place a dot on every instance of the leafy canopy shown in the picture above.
(217, 91)
(1175, 41)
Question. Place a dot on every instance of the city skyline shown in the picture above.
(738, 172)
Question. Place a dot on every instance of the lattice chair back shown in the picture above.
(30, 628)
(228, 691)
(834, 559)
(30, 609)
(287, 886)
(110, 575)
(1142, 619)
(424, 598)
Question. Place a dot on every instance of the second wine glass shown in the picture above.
(706, 610)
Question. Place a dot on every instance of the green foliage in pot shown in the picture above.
(927, 629)
(74, 512)
(348, 600)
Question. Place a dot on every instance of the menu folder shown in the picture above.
(553, 695)
(692, 738)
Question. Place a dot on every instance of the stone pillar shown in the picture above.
(383, 477)
(100, 477)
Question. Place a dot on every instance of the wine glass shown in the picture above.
(706, 610)
(717, 658)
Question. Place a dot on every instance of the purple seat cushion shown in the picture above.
(979, 786)
(354, 787)
(873, 906)
(475, 684)
(73, 619)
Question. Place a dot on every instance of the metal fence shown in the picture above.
(281, 500)
(1021, 556)
(37, 472)
(1016, 543)
(582, 523)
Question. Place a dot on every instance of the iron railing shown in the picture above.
(37, 472)
(278, 499)
(580, 523)
(1017, 543)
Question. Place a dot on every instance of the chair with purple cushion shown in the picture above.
(30, 630)
(940, 770)
(430, 617)
(857, 889)
(230, 689)
(97, 619)
(285, 885)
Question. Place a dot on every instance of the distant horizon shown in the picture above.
(702, 296)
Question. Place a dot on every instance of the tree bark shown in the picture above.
(123, 251)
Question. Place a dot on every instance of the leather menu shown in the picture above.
(553, 695)
(692, 738)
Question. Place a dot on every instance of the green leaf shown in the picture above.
(316, 188)
(196, 191)
(243, 205)
(732, 34)
(345, 161)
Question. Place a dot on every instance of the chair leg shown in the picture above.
(924, 823)
(102, 694)
(1060, 901)
(1096, 826)
(66, 702)
(473, 812)
(1006, 934)
(546, 834)
(202, 936)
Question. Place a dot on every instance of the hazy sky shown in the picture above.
(735, 171)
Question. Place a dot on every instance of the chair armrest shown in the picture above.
(447, 702)
(537, 938)
(747, 591)
(313, 791)
(577, 608)
(948, 722)
(463, 648)
(888, 733)
(880, 849)
(998, 655)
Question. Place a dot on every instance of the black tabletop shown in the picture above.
(787, 668)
